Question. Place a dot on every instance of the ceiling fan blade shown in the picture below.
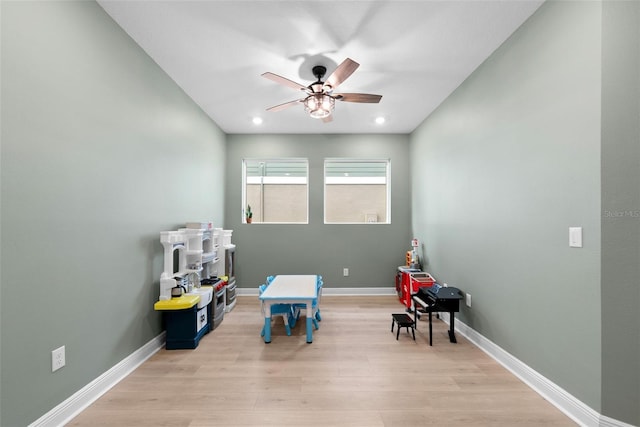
(285, 105)
(358, 97)
(342, 73)
(328, 119)
(283, 81)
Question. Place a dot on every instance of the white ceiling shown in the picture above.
(413, 53)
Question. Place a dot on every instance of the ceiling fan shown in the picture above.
(320, 97)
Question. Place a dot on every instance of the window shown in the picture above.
(276, 190)
(356, 191)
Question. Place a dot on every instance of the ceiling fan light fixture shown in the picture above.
(320, 100)
(319, 105)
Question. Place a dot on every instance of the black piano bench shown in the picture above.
(403, 321)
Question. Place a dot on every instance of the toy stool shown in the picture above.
(404, 321)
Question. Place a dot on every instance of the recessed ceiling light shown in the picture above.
(380, 120)
(257, 120)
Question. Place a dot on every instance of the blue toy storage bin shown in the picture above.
(186, 327)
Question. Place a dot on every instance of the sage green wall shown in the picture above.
(621, 211)
(100, 152)
(372, 252)
(501, 171)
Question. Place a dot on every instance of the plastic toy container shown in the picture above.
(411, 283)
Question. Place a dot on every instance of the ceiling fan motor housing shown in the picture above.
(318, 87)
(319, 71)
(320, 99)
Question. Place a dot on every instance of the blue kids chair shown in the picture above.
(284, 310)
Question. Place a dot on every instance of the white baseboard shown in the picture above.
(610, 422)
(65, 411)
(359, 291)
(333, 291)
(557, 396)
(560, 398)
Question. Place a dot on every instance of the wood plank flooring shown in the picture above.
(354, 373)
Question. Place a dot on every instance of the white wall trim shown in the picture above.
(359, 291)
(65, 411)
(333, 291)
(560, 398)
(557, 396)
(610, 422)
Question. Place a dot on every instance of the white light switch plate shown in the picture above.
(575, 237)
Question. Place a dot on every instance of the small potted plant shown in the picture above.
(248, 214)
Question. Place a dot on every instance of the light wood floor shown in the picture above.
(354, 373)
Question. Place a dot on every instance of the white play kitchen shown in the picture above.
(196, 280)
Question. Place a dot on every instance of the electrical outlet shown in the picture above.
(57, 359)
(445, 285)
(345, 272)
(468, 300)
